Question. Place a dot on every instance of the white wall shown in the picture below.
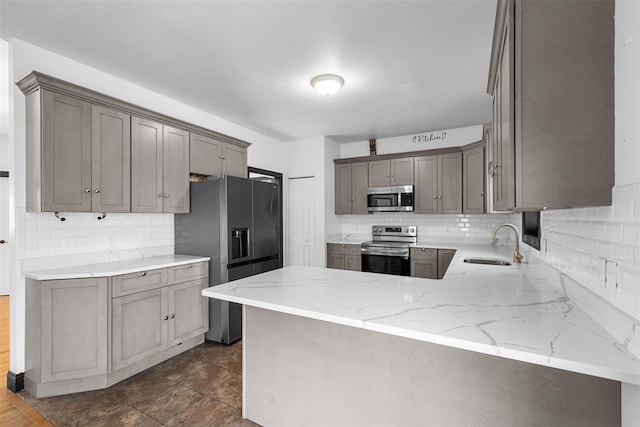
(423, 141)
(81, 238)
(600, 247)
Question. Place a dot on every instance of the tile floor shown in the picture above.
(200, 387)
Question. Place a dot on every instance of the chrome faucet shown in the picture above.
(517, 257)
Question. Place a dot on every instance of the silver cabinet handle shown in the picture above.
(97, 191)
(166, 317)
(166, 196)
(190, 266)
(144, 273)
(87, 190)
(173, 316)
(2, 242)
(435, 197)
(160, 195)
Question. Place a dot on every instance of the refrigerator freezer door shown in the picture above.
(266, 220)
(238, 193)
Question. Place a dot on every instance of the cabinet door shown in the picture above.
(426, 185)
(146, 166)
(234, 160)
(504, 175)
(188, 310)
(74, 328)
(66, 153)
(379, 173)
(450, 183)
(473, 187)
(360, 183)
(402, 171)
(426, 269)
(205, 155)
(343, 189)
(175, 166)
(353, 262)
(111, 160)
(140, 325)
(444, 259)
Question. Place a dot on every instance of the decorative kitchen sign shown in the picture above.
(429, 137)
(372, 147)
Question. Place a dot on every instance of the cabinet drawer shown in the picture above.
(186, 272)
(343, 248)
(139, 281)
(424, 253)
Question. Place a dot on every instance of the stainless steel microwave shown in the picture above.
(390, 199)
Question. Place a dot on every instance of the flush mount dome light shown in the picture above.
(327, 84)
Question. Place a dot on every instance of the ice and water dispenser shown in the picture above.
(239, 243)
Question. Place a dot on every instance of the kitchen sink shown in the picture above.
(486, 261)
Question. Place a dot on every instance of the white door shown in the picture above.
(301, 221)
(4, 235)
(5, 163)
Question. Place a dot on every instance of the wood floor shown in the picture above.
(14, 411)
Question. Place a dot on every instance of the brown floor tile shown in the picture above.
(178, 367)
(206, 412)
(236, 420)
(166, 405)
(140, 388)
(231, 361)
(228, 390)
(206, 378)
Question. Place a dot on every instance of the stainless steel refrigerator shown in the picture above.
(236, 222)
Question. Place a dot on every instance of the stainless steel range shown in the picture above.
(388, 252)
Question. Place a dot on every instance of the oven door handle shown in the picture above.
(403, 253)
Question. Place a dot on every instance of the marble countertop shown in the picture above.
(507, 311)
(114, 268)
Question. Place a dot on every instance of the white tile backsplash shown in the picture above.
(83, 233)
(432, 226)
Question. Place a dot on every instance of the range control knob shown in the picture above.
(406, 229)
(412, 230)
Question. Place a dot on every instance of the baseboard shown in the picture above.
(15, 382)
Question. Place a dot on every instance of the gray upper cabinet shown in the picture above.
(213, 157)
(64, 180)
(383, 173)
(473, 186)
(351, 183)
(146, 166)
(111, 160)
(438, 184)
(553, 124)
(159, 167)
(175, 170)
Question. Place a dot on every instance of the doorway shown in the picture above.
(301, 221)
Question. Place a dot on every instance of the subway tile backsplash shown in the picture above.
(431, 226)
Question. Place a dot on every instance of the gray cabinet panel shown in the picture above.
(402, 171)
(175, 163)
(111, 160)
(146, 166)
(445, 256)
(66, 153)
(73, 327)
(379, 173)
(473, 187)
(344, 256)
(188, 310)
(343, 189)
(139, 326)
(450, 183)
(360, 183)
(426, 185)
(335, 261)
(204, 155)
(234, 160)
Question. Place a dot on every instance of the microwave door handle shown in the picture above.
(399, 198)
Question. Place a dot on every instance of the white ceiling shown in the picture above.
(408, 66)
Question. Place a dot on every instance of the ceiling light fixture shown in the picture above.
(327, 84)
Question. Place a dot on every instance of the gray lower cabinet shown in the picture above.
(438, 184)
(212, 157)
(159, 167)
(86, 334)
(67, 327)
(430, 263)
(352, 181)
(473, 182)
(343, 256)
(392, 172)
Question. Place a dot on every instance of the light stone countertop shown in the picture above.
(507, 311)
(114, 268)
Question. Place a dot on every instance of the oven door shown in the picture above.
(387, 264)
